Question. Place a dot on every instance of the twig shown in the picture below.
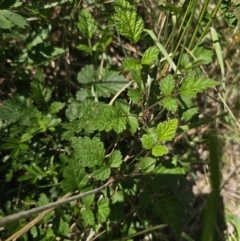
(14, 217)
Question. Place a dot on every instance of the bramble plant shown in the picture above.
(116, 128)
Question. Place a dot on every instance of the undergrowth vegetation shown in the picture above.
(97, 102)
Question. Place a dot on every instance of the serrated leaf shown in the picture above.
(8, 146)
(171, 211)
(131, 64)
(75, 177)
(87, 24)
(17, 109)
(83, 94)
(166, 130)
(110, 84)
(133, 123)
(135, 95)
(117, 196)
(88, 217)
(136, 75)
(170, 104)
(43, 200)
(88, 200)
(115, 159)
(147, 141)
(160, 169)
(63, 228)
(127, 22)
(84, 48)
(102, 173)
(96, 116)
(13, 18)
(203, 54)
(40, 93)
(150, 55)
(86, 75)
(55, 107)
(89, 152)
(103, 210)
(167, 85)
(189, 113)
(193, 84)
(159, 150)
(148, 164)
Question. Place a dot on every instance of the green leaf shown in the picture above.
(102, 173)
(75, 177)
(84, 48)
(159, 150)
(115, 159)
(127, 22)
(148, 164)
(17, 109)
(63, 228)
(160, 169)
(89, 152)
(88, 217)
(193, 84)
(203, 54)
(171, 211)
(40, 93)
(133, 123)
(8, 146)
(135, 95)
(88, 200)
(26, 137)
(166, 130)
(150, 55)
(147, 141)
(55, 107)
(9, 19)
(131, 64)
(86, 75)
(87, 24)
(103, 210)
(110, 84)
(136, 75)
(189, 113)
(83, 94)
(96, 116)
(170, 104)
(167, 85)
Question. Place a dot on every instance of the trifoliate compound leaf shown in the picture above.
(88, 217)
(87, 24)
(150, 55)
(167, 85)
(103, 210)
(110, 84)
(147, 141)
(148, 164)
(193, 84)
(170, 104)
(135, 95)
(102, 173)
(75, 177)
(166, 130)
(133, 123)
(86, 75)
(115, 159)
(159, 150)
(131, 64)
(127, 22)
(89, 152)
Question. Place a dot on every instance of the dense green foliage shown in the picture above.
(98, 121)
